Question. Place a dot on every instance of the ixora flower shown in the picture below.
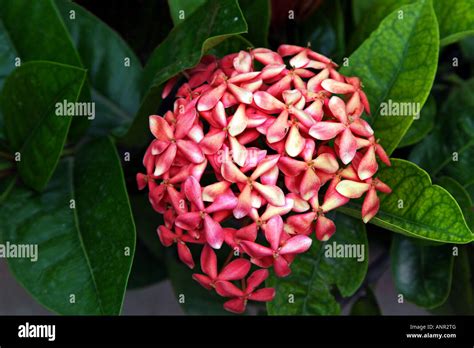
(268, 146)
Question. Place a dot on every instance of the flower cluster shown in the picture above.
(279, 139)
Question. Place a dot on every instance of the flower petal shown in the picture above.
(236, 305)
(296, 245)
(184, 123)
(211, 192)
(227, 289)
(368, 164)
(352, 189)
(263, 295)
(326, 130)
(214, 232)
(209, 262)
(290, 166)
(273, 230)
(165, 160)
(325, 228)
(244, 204)
(371, 205)
(347, 146)
(281, 267)
(193, 192)
(338, 109)
(255, 279)
(235, 270)
(231, 172)
(188, 221)
(185, 255)
(273, 194)
(238, 123)
(255, 250)
(160, 128)
(267, 102)
(210, 98)
(294, 143)
(337, 87)
(310, 184)
(190, 150)
(278, 129)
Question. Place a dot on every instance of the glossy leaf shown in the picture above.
(181, 9)
(366, 305)
(455, 18)
(22, 20)
(113, 69)
(450, 146)
(84, 230)
(461, 196)
(307, 290)
(33, 128)
(422, 273)
(417, 208)
(210, 24)
(403, 76)
(422, 125)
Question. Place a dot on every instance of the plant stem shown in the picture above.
(229, 257)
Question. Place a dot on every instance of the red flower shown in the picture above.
(271, 141)
(240, 297)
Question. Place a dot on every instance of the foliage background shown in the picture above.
(426, 57)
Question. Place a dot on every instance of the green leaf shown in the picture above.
(37, 32)
(193, 298)
(21, 38)
(461, 296)
(461, 196)
(422, 273)
(366, 305)
(421, 126)
(257, 14)
(28, 103)
(397, 64)
(455, 18)
(230, 45)
(415, 207)
(113, 69)
(451, 144)
(210, 24)
(182, 9)
(367, 16)
(314, 273)
(86, 250)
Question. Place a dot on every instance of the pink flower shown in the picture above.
(282, 247)
(240, 297)
(235, 270)
(268, 141)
